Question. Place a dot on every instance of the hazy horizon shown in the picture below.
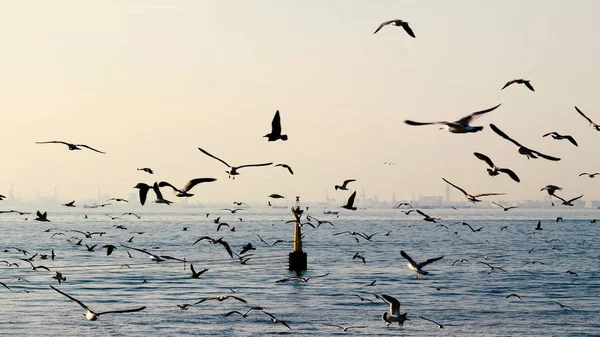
(149, 83)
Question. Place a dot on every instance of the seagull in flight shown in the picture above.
(459, 126)
(418, 267)
(522, 149)
(71, 146)
(188, 186)
(41, 216)
(519, 81)
(91, 315)
(591, 175)
(394, 314)
(154, 257)
(244, 315)
(350, 203)
(471, 198)
(494, 170)
(343, 186)
(570, 201)
(70, 204)
(276, 129)
(345, 329)
(233, 169)
(592, 124)
(146, 169)
(558, 136)
(505, 208)
(397, 22)
(287, 167)
(425, 216)
(551, 189)
(440, 326)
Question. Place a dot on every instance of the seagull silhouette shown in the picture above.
(440, 326)
(393, 315)
(285, 166)
(493, 171)
(71, 146)
(276, 129)
(343, 186)
(592, 124)
(558, 136)
(233, 170)
(519, 81)
(350, 203)
(418, 267)
(188, 186)
(397, 22)
(522, 149)
(91, 315)
(146, 169)
(504, 208)
(459, 126)
(471, 198)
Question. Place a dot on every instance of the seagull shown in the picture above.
(188, 186)
(220, 299)
(146, 169)
(154, 257)
(417, 267)
(277, 320)
(109, 249)
(276, 129)
(495, 169)
(408, 212)
(559, 218)
(69, 204)
(5, 286)
(568, 202)
(592, 124)
(519, 81)
(59, 277)
(394, 313)
(568, 272)
(71, 146)
(551, 189)
(505, 208)
(513, 295)
(471, 198)
(92, 316)
(562, 305)
(118, 200)
(130, 213)
(492, 268)
(217, 241)
(285, 166)
(247, 248)
(42, 216)
(426, 217)
(358, 256)
(440, 326)
(362, 299)
(244, 315)
(276, 196)
(343, 186)
(233, 169)
(397, 22)
(345, 329)
(591, 175)
(459, 126)
(404, 204)
(159, 196)
(197, 274)
(461, 261)
(144, 188)
(558, 136)
(539, 226)
(522, 149)
(232, 210)
(350, 204)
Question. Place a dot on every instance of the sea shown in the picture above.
(554, 271)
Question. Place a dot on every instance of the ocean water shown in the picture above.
(471, 300)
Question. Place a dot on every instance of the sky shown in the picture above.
(149, 82)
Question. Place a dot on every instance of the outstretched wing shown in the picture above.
(72, 299)
(582, 114)
(351, 199)
(121, 311)
(458, 188)
(190, 184)
(510, 174)
(164, 183)
(579, 197)
(508, 83)
(394, 304)
(409, 122)
(250, 165)
(383, 25)
(89, 147)
(503, 135)
(157, 191)
(426, 262)
(410, 260)
(488, 194)
(276, 124)
(528, 85)
(550, 133)
(485, 158)
(571, 139)
(210, 155)
(545, 156)
(468, 119)
(408, 29)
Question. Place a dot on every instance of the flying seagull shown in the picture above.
(493, 171)
(154, 257)
(519, 81)
(285, 166)
(233, 169)
(345, 329)
(70, 204)
(41, 216)
(276, 129)
(394, 314)
(551, 189)
(570, 201)
(397, 22)
(592, 124)
(418, 267)
(244, 315)
(350, 204)
(522, 149)
(591, 175)
(188, 186)
(505, 208)
(159, 196)
(558, 136)
(343, 186)
(440, 326)
(146, 169)
(459, 126)
(425, 216)
(144, 188)
(71, 146)
(92, 316)
(472, 198)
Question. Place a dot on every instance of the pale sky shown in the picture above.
(149, 82)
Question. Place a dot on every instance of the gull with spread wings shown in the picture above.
(459, 126)
(188, 186)
(71, 146)
(233, 169)
(397, 22)
(418, 267)
(494, 170)
(522, 149)
(470, 197)
(592, 124)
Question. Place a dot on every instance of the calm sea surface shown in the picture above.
(470, 299)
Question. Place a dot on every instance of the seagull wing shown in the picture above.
(430, 320)
(346, 182)
(250, 165)
(394, 304)
(210, 155)
(408, 258)
(190, 184)
(571, 139)
(468, 119)
(157, 191)
(426, 262)
(582, 114)
(550, 133)
(202, 238)
(487, 194)
(164, 183)
(503, 135)
(287, 167)
(508, 83)
(497, 204)
(545, 156)
(510, 174)
(528, 85)
(418, 211)
(143, 194)
(121, 311)
(54, 142)
(73, 299)
(226, 245)
(408, 29)
(234, 312)
(276, 124)
(458, 188)
(351, 199)
(409, 122)
(139, 250)
(383, 25)
(579, 197)
(485, 158)
(89, 147)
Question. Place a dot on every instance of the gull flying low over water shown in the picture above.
(276, 129)
(519, 81)
(41, 216)
(343, 186)
(558, 136)
(459, 126)
(350, 203)
(244, 315)
(425, 216)
(418, 267)
(592, 124)
(216, 241)
(71, 146)
(146, 169)
(220, 299)
(91, 315)
(394, 314)
(188, 186)
(493, 171)
(570, 201)
(591, 175)
(154, 257)
(69, 204)
(397, 22)
(233, 170)
(472, 198)
(440, 326)
(504, 208)
(345, 329)
(551, 189)
(522, 149)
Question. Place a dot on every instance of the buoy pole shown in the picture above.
(297, 258)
